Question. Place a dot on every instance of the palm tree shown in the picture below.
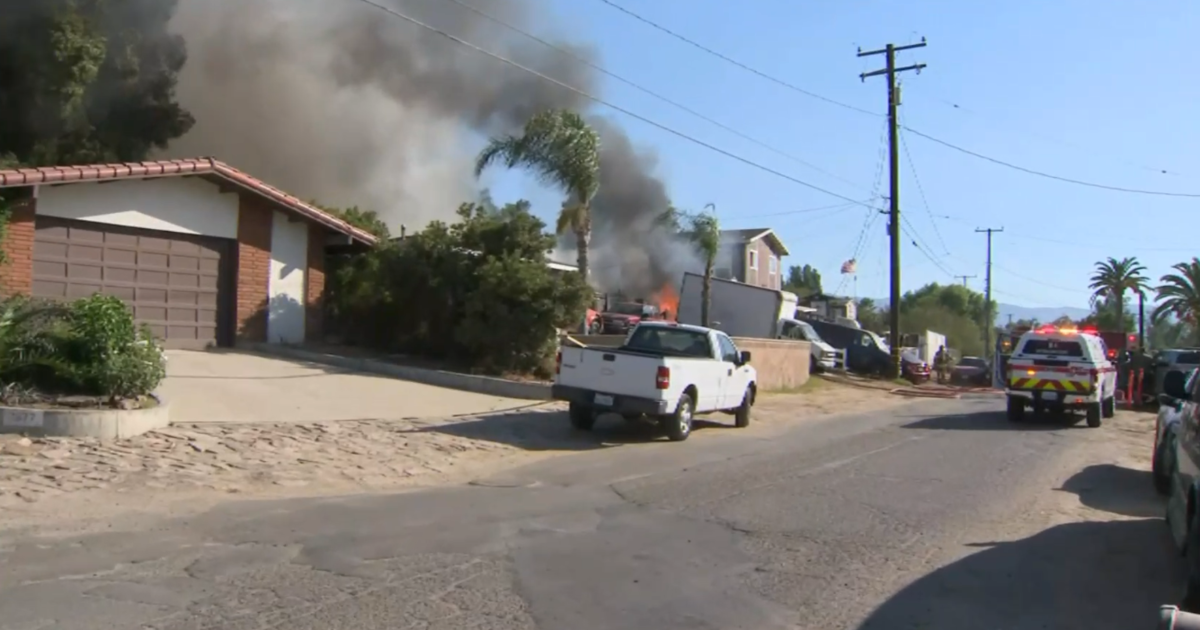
(563, 151)
(705, 232)
(1113, 278)
(1179, 294)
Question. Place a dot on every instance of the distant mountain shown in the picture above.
(1044, 314)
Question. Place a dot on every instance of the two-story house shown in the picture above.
(752, 256)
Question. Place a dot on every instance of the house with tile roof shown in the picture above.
(204, 254)
(753, 256)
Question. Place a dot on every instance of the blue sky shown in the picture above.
(1089, 91)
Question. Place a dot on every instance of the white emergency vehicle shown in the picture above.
(1053, 369)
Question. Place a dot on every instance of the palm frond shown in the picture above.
(558, 146)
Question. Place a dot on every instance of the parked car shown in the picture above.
(1166, 425)
(669, 372)
(619, 319)
(1172, 360)
(914, 370)
(1181, 461)
(973, 371)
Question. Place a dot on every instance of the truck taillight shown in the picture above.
(663, 379)
(558, 363)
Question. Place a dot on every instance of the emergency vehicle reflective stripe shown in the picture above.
(1050, 384)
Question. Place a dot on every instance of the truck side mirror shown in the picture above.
(744, 357)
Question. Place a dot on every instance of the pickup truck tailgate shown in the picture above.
(608, 371)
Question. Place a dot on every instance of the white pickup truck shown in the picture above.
(666, 371)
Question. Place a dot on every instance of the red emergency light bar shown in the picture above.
(1051, 329)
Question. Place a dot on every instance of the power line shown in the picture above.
(601, 101)
(1030, 171)
(1034, 280)
(1087, 243)
(582, 60)
(915, 236)
(727, 59)
(868, 222)
(932, 259)
(921, 190)
(831, 101)
(1046, 138)
(804, 210)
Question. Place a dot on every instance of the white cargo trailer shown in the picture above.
(738, 310)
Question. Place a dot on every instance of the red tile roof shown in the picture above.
(177, 168)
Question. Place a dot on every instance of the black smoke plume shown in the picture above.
(339, 101)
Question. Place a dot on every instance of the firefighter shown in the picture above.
(941, 363)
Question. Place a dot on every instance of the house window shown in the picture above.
(754, 260)
(771, 262)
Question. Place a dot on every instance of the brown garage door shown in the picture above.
(175, 283)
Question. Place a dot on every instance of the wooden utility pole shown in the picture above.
(893, 94)
(989, 320)
(964, 279)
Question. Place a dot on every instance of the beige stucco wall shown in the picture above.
(781, 364)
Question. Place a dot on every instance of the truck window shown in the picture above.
(1053, 347)
(669, 340)
(729, 352)
(810, 333)
(1186, 358)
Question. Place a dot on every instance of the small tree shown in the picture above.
(1113, 279)
(803, 280)
(563, 151)
(705, 232)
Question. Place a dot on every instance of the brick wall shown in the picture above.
(16, 274)
(314, 288)
(255, 219)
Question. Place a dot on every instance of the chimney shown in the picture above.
(403, 230)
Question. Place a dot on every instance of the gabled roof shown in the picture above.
(208, 167)
(753, 234)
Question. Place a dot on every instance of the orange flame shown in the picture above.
(667, 300)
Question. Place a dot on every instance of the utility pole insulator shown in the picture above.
(893, 100)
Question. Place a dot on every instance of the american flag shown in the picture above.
(850, 266)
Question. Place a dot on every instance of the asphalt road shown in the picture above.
(860, 521)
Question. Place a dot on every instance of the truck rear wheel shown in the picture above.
(1093, 415)
(1016, 409)
(1108, 407)
(583, 417)
(679, 424)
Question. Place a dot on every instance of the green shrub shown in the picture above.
(91, 347)
(510, 320)
(475, 292)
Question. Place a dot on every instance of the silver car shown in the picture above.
(1165, 426)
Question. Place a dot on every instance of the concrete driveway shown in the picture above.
(243, 387)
